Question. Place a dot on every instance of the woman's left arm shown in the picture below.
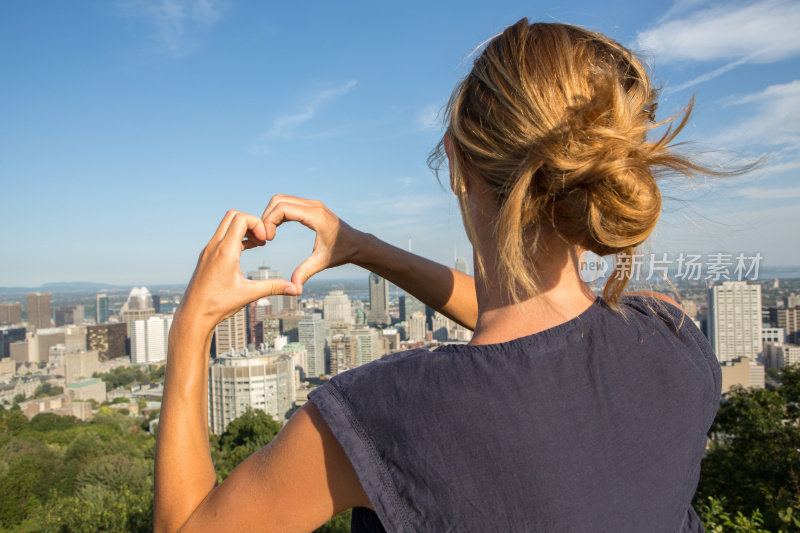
(296, 482)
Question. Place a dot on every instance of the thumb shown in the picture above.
(313, 264)
(260, 288)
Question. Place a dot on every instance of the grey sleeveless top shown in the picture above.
(598, 424)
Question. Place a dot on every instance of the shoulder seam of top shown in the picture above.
(383, 471)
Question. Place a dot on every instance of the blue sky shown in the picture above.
(128, 128)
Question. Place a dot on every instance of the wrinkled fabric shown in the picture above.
(598, 424)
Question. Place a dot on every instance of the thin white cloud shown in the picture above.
(175, 22)
(775, 123)
(428, 118)
(283, 126)
(761, 193)
(764, 31)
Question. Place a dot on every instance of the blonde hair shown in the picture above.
(553, 121)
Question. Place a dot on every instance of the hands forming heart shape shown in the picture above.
(218, 289)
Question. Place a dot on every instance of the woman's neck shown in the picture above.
(563, 297)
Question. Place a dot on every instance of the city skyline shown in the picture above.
(130, 128)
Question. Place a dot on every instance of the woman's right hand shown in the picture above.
(336, 242)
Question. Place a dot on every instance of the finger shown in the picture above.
(223, 225)
(240, 225)
(272, 221)
(255, 289)
(309, 216)
(313, 264)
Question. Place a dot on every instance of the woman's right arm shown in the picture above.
(450, 292)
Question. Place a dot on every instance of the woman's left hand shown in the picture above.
(217, 288)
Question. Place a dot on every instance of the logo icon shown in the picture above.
(592, 266)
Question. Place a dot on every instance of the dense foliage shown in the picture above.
(750, 479)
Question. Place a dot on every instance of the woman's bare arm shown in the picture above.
(450, 292)
(295, 483)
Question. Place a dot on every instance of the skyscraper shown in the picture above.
(462, 265)
(378, 299)
(231, 333)
(336, 307)
(108, 340)
(789, 320)
(38, 310)
(734, 320)
(311, 332)
(10, 313)
(149, 339)
(101, 308)
(139, 306)
(259, 380)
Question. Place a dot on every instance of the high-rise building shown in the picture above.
(108, 340)
(734, 320)
(8, 335)
(256, 313)
(779, 354)
(80, 365)
(231, 333)
(409, 305)
(311, 333)
(11, 313)
(150, 339)
(415, 327)
(344, 353)
(336, 307)
(378, 300)
(462, 265)
(101, 308)
(139, 306)
(263, 272)
(38, 310)
(69, 314)
(789, 320)
(257, 380)
(156, 303)
(369, 343)
(282, 302)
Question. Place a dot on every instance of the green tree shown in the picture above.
(752, 466)
(251, 431)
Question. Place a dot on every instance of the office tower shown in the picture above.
(282, 302)
(415, 327)
(789, 320)
(311, 333)
(263, 272)
(793, 300)
(256, 313)
(344, 353)
(734, 320)
(378, 300)
(336, 307)
(8, 335)
(68, 315)
(108, 340)
(462, 265)
(289, 324)
(231, 333)
(139, 306)
(80, 365)
(779, 354)
(150, 339)
(369, 343)
(409, 305)
(744, 372)
(156, 303)
(11, 313)
(101, 308)
(38, 310)
(257, 380)
(441, 327)
(768, 334)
